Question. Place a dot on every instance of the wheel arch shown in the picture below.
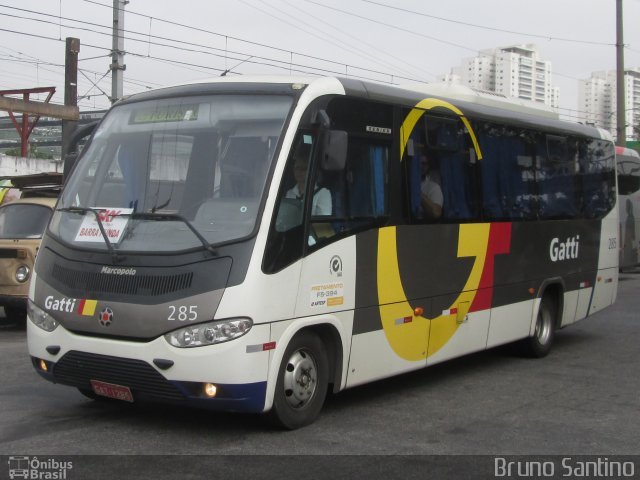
(330, 333)
(331, 339)
(554, 289)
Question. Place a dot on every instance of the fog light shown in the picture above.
(43, 366)
(210, 390)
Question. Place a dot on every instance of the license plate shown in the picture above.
(111, 390)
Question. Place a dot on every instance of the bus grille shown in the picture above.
(144, 285)
(79, 368)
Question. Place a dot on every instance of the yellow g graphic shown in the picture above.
(410, 338)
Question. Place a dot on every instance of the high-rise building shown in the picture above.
(597, 101)
(515, 71)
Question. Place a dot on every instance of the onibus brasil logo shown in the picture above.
(38, 469)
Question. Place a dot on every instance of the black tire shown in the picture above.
(539, 345)
(14, 316)
(302, 382)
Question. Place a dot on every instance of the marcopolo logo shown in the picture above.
(567, 250)
(106, 317)
(38, 469)
(118, 271)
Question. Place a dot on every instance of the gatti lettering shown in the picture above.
(566, 250)
(60, 305)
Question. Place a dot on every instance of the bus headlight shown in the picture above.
(22, 273)
(209, 333)
(41, 318)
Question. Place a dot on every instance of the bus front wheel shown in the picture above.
(302, 382)
(539, 345)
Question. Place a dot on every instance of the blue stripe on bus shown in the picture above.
(246, 397)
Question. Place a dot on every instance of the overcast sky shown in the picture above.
(395, 41)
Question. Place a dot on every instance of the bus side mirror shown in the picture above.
(334, 150)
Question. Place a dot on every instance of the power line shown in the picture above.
(284, 65)
(146, 41)
(484, 27)
(242, 40)
(300, 22)
(36, 61)
(358, 39)
(241, 56)
(395, 27)
(413, 32)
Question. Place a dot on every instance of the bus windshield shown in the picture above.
(173, 173)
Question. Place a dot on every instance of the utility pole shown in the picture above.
(70, 94)
(621, 120)
(117, 51)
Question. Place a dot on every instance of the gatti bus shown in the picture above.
(250, 244)
(628, 168)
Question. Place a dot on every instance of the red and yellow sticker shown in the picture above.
(87, 307)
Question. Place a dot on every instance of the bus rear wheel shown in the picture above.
(302, 382)
(539, 344)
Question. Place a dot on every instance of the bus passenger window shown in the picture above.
(556, 166)
(424, 181)
(508, 177)
(360, 191)
(597, 169)
(440, 165)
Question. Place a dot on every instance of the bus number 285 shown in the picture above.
(183, 313)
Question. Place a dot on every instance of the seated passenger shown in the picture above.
(431, 198)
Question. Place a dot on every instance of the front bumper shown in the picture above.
(238, 372)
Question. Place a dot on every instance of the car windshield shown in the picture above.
(172, 174)
(22, 220)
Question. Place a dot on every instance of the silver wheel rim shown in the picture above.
(300, 378)
(543, 326)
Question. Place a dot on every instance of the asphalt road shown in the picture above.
(582, 399)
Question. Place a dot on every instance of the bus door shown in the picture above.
(349, 205)
(327, 278)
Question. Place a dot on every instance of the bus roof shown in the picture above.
(478, 106)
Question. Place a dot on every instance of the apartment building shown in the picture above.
(597, 101)
(516, 71)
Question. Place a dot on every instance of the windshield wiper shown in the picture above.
(96, 212)
(173, 216)
(141, 216)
